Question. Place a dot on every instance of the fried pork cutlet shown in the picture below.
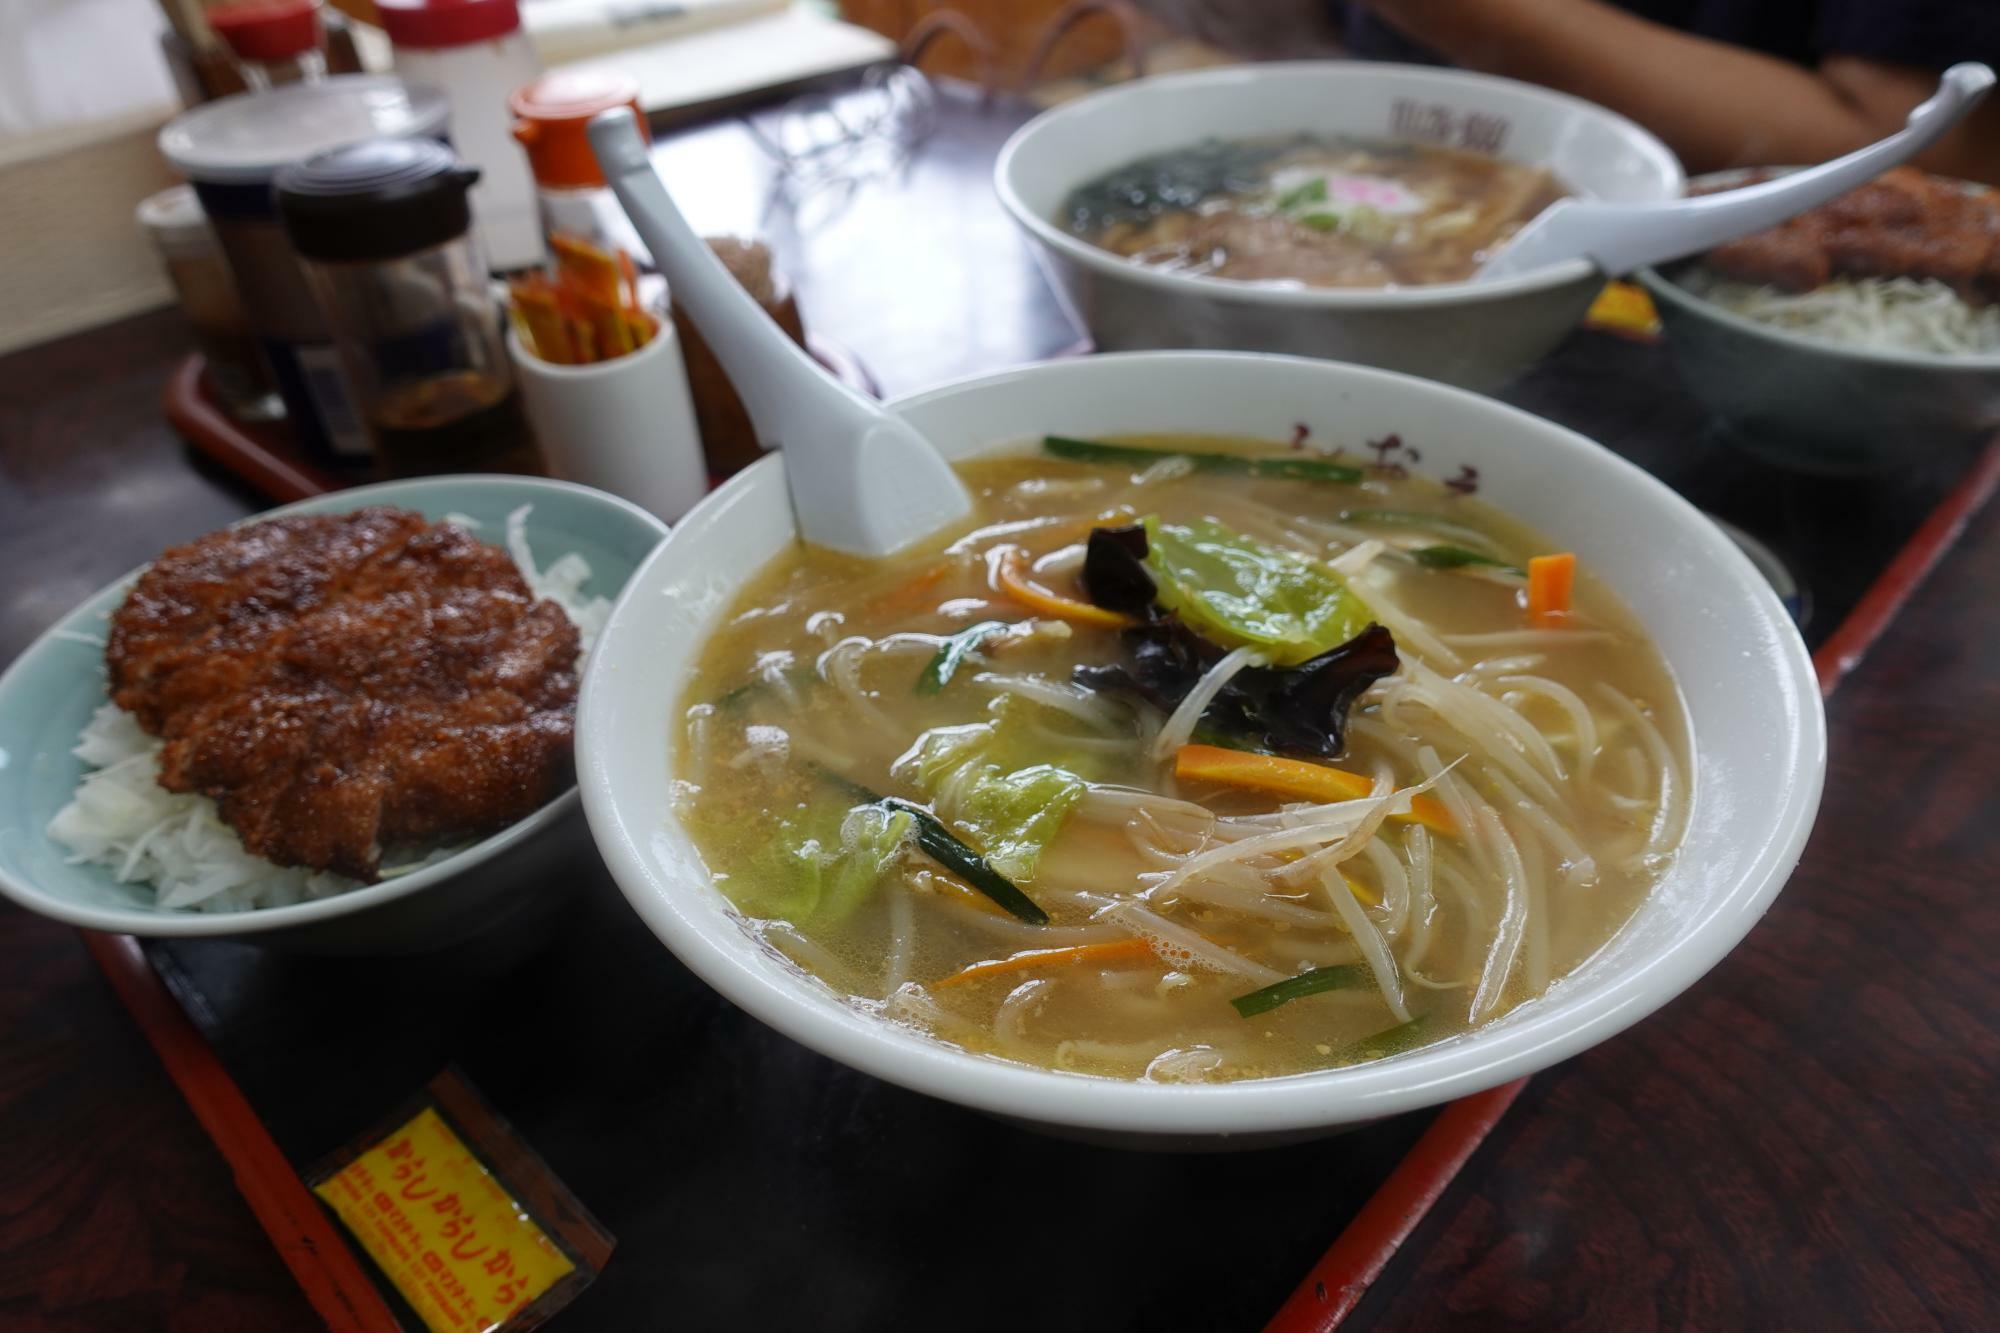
(342, 684)
(1903, 224)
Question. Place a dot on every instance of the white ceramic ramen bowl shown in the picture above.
(1475, 334)
(1754, 706)
(493, 895)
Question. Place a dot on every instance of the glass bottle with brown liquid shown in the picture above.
(384, 231)
(459, 421)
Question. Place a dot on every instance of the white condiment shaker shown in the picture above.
(477, 53)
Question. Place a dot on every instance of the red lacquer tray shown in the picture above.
(344, 1294)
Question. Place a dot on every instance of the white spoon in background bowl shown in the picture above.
(863, 480)
(1620, 238)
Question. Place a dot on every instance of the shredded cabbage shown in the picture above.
(995, 785)
(824, 862)
(1894, 314)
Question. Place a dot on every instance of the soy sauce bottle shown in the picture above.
(384, 232)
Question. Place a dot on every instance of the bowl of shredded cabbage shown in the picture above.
(1860, 337)
(90, 833)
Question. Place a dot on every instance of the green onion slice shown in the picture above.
(1457, 557)
(1251, 465)
(942, 846)
(956, 649)
(1348, 976)
(1393, 1041)
(1404, 518)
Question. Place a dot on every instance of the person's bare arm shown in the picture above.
(1715, 104)
(1260, 30)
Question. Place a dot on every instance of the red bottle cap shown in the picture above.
(552, 115)
(266, 30)
(437, 24)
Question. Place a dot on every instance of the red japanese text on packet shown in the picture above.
(453, 1238)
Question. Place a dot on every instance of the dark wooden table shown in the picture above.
(1805, 1140)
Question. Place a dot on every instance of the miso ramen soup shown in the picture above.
(1311, 210)
(1187, 759)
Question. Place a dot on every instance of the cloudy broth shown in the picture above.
(1312, 210)
(1563, 792)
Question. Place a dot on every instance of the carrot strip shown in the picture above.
(968, 895)
(1295, 778)
(588, 311)
(518, 321)
(613, 335)
(905, 596)
(1010, 576)
(548, 337)
(592, 271)
(1112, 951)
(640, 326)
(1551, 578)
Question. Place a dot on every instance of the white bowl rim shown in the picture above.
(1655, 280)
(175, 923)
(1273, 294)
(1427, 1077)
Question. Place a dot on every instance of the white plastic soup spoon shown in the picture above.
(1621, 237)
(862, 479)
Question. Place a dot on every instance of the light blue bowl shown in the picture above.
(51, 690)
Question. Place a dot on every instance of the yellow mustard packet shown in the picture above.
(463, 1220)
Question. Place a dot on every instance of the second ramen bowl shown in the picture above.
(1475, 334)
(1757, 734)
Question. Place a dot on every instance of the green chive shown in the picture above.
(1403, 518)
(942, 846)
(1254, 465)
(1311, 192)
(1205, 734)
(1348, 976)
(955, 650)
(1320, 221)
(1392, 1041)
(1457, 557)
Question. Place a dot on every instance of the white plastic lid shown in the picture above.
(245, 139)
(175, 220)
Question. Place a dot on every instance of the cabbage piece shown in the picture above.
(996, 785)
(823, 862)
(1238, 592)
